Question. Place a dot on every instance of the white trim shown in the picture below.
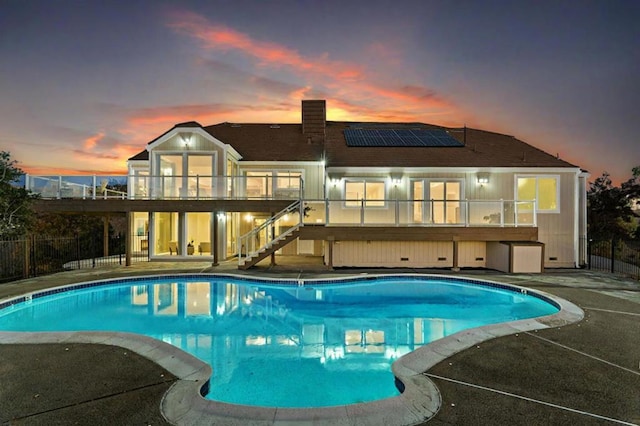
(386, 170)
(280, 164)
(198, 130)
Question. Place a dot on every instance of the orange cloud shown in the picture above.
(92, 141)
(344, 79)
(220, 37)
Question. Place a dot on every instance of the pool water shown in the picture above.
(279, 345)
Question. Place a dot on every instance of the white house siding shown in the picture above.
(557, 230)
(472, 254)
(393, 254)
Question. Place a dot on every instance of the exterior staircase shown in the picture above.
(249, 255)
(270, 248)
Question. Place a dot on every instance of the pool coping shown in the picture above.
(183, 403)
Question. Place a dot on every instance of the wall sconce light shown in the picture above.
(483, 178)
(221, 216)
(334, 182)
(248, 218)
(186, 138)
(396, 182)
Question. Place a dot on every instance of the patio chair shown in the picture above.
(173, 247)
(204, 247)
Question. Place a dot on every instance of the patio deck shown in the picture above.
(585, 373)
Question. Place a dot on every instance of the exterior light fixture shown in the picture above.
(396, 179)
(483, 178)
(186, 138)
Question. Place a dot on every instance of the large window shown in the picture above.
(186, 174)
(437, 201)
(543, 189)
(371, 192)
(273, 184)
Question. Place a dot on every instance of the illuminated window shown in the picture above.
(437, 201)
(270, 183)
(543, 189)
(371, 192)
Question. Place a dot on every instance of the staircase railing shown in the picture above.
(263, 236)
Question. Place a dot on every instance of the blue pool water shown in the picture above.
(281, 345)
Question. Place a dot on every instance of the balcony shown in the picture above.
(164, 187)
(433, 213)
(132, 190)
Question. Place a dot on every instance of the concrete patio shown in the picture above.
(586, 373)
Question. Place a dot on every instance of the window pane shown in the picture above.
(374, 192)
(288, 180)
(354, 192)
(170, 170)
(436, 192)
(199, 233)
(453, 207)
(258, 184)
(200, 165)
(526, 191)
(526, 188)
(166, 233)
(418, 196)
(547, 194)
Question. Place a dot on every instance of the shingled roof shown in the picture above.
(479, 149)
(286, 142)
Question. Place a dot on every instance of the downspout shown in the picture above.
(581, 215)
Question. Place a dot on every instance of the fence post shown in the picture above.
(27, 257)
(119, 244)
(613, 255)
(78, 249)
(33, 257)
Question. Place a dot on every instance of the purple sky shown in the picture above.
(86, 84)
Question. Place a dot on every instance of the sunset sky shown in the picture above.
(86, 84)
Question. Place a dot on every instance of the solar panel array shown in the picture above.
(399, 137)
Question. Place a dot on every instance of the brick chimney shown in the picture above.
(314, 117)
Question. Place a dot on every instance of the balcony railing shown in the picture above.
(83, 187)
(140, 187)
(490, 213)
(387, 212)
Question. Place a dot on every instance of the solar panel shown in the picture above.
(398, 137)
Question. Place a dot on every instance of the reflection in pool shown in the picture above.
(316, 345)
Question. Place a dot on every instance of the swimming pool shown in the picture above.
(319, 343)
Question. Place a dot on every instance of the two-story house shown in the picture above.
(359, 194)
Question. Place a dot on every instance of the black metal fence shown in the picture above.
(615, 256)
(39, 255)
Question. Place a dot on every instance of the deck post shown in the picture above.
(456, 246)
(105, 235)
(330, 240)
(273, 234)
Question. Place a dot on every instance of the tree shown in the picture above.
(609, 211)
(15, 202)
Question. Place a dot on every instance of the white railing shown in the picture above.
(273, 229)
(83, 187)
(143, 187)
(388, 212)
(463, 213)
